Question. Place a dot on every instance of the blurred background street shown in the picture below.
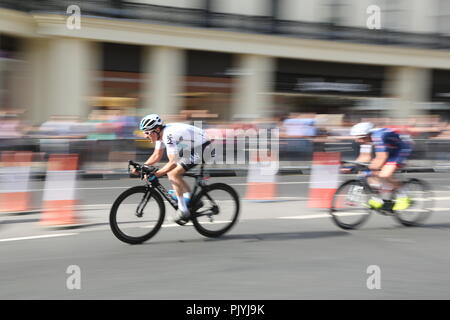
(76, 77)
(278, 250)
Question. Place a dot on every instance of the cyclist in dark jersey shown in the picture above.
(391, 152)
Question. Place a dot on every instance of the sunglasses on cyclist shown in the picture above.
(148, 132)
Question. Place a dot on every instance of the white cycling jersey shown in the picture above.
(181, 136)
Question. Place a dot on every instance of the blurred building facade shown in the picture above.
(237, 59)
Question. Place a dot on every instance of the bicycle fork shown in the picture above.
(142, 204)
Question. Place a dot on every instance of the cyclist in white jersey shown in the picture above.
(184, 144)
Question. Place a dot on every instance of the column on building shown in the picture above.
(13, 75)
(63, 77)
(305, 10)
(253, 87)
(2, 89)
(164, 80)
(70, 76)
(37, 98)
(423, 16)
(408, 86)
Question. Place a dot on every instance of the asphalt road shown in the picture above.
(278, 250)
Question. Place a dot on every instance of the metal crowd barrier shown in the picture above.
(301, 150)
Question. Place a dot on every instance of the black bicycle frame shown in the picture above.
(163, 191)
(199, 183)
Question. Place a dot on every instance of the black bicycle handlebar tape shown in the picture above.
(143, 169)
(134, 164)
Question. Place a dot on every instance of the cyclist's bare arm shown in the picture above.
(385, 175)
(378, 162)
(155, 157)
(168, 166)
(364, 157)
(365, 153)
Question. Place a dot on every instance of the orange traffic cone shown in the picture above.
(15, 177)
(261, 178)
(324, 179)
(59, 195)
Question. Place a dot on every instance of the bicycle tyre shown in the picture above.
(426, 189)
(333, 208)
(200, 226)
(121, 235)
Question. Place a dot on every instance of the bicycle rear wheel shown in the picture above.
(215, 210)
(349, 207)
(420, 195)
(137, 215)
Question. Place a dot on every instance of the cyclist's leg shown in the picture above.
(176, 179)
(374, 181)
(188, 160)
(402, 201)
(383, 182)
(376, 201)
(386, 175)
(393, 164)
(181, 189)
(185, 164)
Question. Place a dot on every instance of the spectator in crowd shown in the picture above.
(296, 134)
(56, 133)
(10, 126)
(11, 131)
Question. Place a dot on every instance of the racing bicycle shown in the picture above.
(138, 213)
(350, 204)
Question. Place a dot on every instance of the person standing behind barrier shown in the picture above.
(56, 134)
(12, 130)
(298, 131)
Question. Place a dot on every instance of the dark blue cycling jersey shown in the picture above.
(386, 140)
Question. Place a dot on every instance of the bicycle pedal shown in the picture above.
(182, 221)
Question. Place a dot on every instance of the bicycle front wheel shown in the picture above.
(420, 197)
(215, 210)
(349, 207)
(137, 215)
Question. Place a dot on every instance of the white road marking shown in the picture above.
(289, 182)
(440, 209)
(324, 215)
(310, 216)
(170, 225)
(293, 198)
(97, 188)
(39, 237)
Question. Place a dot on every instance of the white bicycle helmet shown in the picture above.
(361, 129)
(150, 122)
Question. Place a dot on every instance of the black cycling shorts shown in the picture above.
(190, 161)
